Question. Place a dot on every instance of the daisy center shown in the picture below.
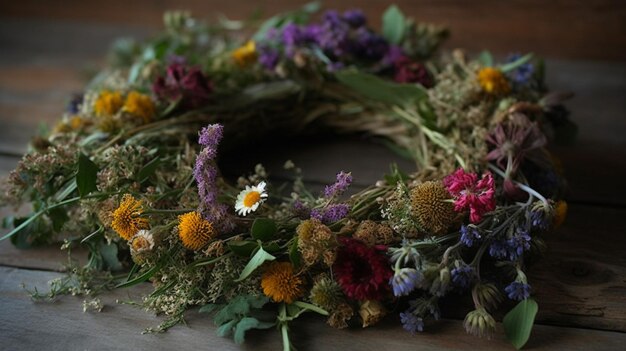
(251, 198)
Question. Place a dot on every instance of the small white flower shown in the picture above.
(142, 241)
(250, 198)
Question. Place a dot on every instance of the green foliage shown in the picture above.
(373, 87)
(294, 254)
(507, 67)
(393, 25)
(485, 58)
(299, 17)
(255, 262)
(518, 323)
(263, 229)
(243, 248)
(146, 171)
(238, 316)
(86, 177)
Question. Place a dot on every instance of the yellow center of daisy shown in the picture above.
(251, 198)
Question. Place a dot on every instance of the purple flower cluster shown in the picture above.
(331, 214)
(518, 291)
(405, 280)
(205, 174)
(522, 74)
(463, 276)
(411, 322)
(340, 186)
(510, 249)
(188, 85)
(539, 220)
(470, 235)
(300, 210)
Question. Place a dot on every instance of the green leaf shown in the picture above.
(86, 176)
(109, 255)
(209, 308)
(518, 323)
(507, 67)
(146, 171)
(141, 278)
(242, 247)
(294, 254)
(246, 324)
(485, 58)
(263, 229)
(255, 262)
(226, 329)
(310, 307)
(381, 90)
(393, 24)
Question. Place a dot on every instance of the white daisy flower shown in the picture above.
(250, 198)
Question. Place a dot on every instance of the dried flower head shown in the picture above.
(108, 103)
(371, 312)
(314, 239)
(139, 105)
(326, 293)
(340, 316)
(194, 231)
(479, 323)
(487, 295)
(126, 218)
(493, 81)
(245, 55)
(280, 283)
(431, 206)
(141, 245)
(373, 233)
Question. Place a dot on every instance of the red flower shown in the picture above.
(181, 83)
(408, 71)
(470, 193)
(363, 272)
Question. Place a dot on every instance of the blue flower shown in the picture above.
(518, 291)
(518, 244)
(411, 322)
(469, 235)
(498, 249)
(405, 280)
(538, 219)
(523, 73)
(463, 276)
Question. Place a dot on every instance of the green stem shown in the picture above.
(282, 318)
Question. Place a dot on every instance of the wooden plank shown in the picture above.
(517, 25)
(26, 325)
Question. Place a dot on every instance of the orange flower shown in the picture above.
(280, 283)
(194, 231)
(108, 103)
(126, 218)
(493, 81)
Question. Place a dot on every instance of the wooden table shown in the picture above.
(580, 285)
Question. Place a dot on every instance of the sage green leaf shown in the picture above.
(263, 229)
(87, 174)
(226, 329)
(310, 307)
(507, 67)
(246, 324)
(393, 25)
(381, 90)
(109, 255)
(485, 58)
(255, 262)
(146, 171)
(208, 308)
(518, 323)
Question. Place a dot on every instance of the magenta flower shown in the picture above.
(471, 193)
(185, 84)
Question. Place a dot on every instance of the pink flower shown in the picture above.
(185, 84)
(471, 193)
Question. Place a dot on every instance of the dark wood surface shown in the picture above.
(580, 285)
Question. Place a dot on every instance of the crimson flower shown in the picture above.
(363, 272)
(409, 71)
(185, 84)
(471, 193)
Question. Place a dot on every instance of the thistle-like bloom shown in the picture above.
(340, 186)
(362, 271)
(514, 141)
(108, 103)
(480, 323)
(188, 85)
(470, 193)
(194, 231)
(139, 105)
(493, 81)
(126, 218)
(326, 293)
(405, 280)
(518, 291)
(250, 199)
(245, 55)
(280, 283)
(431, 206)
(411, 322)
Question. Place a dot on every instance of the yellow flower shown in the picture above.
(126, 221)
(194, 231)
(493, 81)
(139, 105)
(280, 283)
(108, 103)
(245, 55)
(560, 213)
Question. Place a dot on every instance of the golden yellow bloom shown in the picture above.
(280, 283)
(431, 207)
(126, 221)
(560, 213)
(139, 105)
(245, 55)
(493, 81)
(194, 231)
(108, 103)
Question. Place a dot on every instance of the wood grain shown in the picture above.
(61, 325)
(568, 29)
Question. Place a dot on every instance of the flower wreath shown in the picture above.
(131, 173)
